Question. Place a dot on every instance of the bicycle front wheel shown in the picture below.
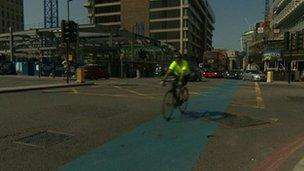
(168, 106)
(184, 97)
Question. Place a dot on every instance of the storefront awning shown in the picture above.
(272, 56)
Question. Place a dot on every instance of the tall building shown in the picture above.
(185, 24)
(11, 15)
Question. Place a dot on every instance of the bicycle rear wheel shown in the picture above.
(168, 105)
(184, 97)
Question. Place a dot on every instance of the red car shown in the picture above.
(211, 74)
(95, 72)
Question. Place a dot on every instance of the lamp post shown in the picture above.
(68, 46)
(68, 3)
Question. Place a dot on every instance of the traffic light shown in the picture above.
(64, 31)
(299, 40)
(69, 31)
(73, 32)
(287, 41)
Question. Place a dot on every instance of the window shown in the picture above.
(165, 25)
(108, 19)
(165, 14)
(166, 35)
(164, 3)
(107, 9)
(105, 1)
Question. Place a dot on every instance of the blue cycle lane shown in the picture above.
(160, 145)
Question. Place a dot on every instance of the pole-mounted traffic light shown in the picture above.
(73, 32)
(287, 41)
(64, 31)
(299, 40)
(69, 31)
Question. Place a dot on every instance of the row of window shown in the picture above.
(10, 14)
(5, 25)
(165, 25)
(15, 1)
(107, 9)
(105, 1)
(164, 3)
(165, 14)
(166, 35)
(108, 19)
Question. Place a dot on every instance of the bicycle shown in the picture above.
(175, 98)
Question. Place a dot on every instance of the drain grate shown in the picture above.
(235, 121)
(296, 98)
(44, 139)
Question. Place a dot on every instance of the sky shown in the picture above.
(33, 12)
(233, 17)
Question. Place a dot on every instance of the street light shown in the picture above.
(68, 2)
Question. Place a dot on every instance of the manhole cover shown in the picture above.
(296, 98)
(234, 121)
(44, 139)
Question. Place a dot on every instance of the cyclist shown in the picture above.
(180, 69)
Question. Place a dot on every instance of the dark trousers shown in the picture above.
(184, 81)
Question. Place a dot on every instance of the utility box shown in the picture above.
(269, 76)
(80, 75)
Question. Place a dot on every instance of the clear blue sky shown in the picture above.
(231, 16)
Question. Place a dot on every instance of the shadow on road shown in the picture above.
(224, 119)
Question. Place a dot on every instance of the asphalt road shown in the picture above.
(106, 126)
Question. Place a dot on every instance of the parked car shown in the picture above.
(223, 74)
(234, 74)
(211, 74)
(7, 68)
(195, 74)
(254, 75)
(159, 71)
(95, 72)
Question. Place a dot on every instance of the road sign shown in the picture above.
(260, 30)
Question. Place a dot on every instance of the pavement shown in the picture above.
(17, 83)
(285, 83)
(116, 125)
(41, 87)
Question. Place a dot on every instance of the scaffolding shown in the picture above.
(96, 44)
(51, 13)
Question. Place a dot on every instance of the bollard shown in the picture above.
(80, 75)
(269, 76)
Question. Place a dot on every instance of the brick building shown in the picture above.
(186, 25)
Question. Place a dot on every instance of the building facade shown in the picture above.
(287, 16)
(185, 24)
(11, 15)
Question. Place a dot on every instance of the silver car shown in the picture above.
(254, 75)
